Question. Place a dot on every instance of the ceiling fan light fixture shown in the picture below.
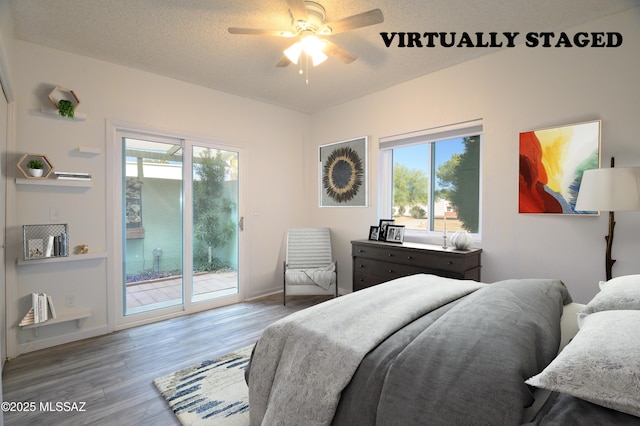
(311, 45)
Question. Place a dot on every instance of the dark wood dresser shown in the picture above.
(375, 262)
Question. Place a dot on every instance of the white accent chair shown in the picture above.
(309, 268)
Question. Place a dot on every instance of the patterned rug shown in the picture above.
(211, 393)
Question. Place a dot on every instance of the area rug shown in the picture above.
(211, 393)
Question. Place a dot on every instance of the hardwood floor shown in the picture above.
(113, 374)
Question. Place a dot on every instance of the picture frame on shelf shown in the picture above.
(395, 234)
(382, 228)
(373, 233)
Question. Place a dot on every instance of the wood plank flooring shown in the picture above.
(113, 374)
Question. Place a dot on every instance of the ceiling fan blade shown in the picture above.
(298, 10)
(360, 20)
(332, 49)
(284, 62)
(258, 31)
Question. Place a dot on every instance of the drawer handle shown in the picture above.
(391, 271)
(450, 263)
(409, 257)
(390, 254)
(362, 266)
(360, 251)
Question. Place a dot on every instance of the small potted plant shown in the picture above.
(35, 168)
(66, 108)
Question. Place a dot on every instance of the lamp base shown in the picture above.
(609, 239)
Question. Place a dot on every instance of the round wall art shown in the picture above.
(343, 173)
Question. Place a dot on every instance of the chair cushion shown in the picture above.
(324, 276)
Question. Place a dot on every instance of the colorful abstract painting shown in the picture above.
(551, 165)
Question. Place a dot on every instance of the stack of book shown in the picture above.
(57, 245)
(72, 176)
(41, 310)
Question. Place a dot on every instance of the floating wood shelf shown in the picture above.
(77, 116)
(72, 316)
(70, 258)
(88, 183)
(89, 150)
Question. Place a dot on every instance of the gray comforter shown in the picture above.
(464, 362)
(303, 362)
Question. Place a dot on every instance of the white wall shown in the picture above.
(513, 90)
(273, 139)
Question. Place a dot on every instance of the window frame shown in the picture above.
(430, 136)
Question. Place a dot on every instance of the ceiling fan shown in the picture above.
(308, 26)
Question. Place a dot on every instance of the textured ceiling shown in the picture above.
(188, 39)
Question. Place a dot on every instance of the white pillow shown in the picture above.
(601, 364)
(617, 293)
(624, 279)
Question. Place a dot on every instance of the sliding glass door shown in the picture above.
(215, 222)
(180, 224)
(153, 224)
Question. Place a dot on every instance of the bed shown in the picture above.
(431, 350)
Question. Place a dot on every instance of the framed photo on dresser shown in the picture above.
(395, 234)
(382, 228)
(373, 233)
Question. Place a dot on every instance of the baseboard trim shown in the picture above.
(39, 344)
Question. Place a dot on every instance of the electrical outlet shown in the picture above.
(70, 301)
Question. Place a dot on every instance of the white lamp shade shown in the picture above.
(614, 189)
(311, 45)
(293, 52)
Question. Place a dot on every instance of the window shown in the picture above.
(431, 179)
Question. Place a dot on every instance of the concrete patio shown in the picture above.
(167, 292)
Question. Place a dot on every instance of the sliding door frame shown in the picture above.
(115, 298)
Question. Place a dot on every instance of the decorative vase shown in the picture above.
(461, 240)
(35, 172)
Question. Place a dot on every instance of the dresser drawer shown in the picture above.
(419, 258)
(384, 270)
